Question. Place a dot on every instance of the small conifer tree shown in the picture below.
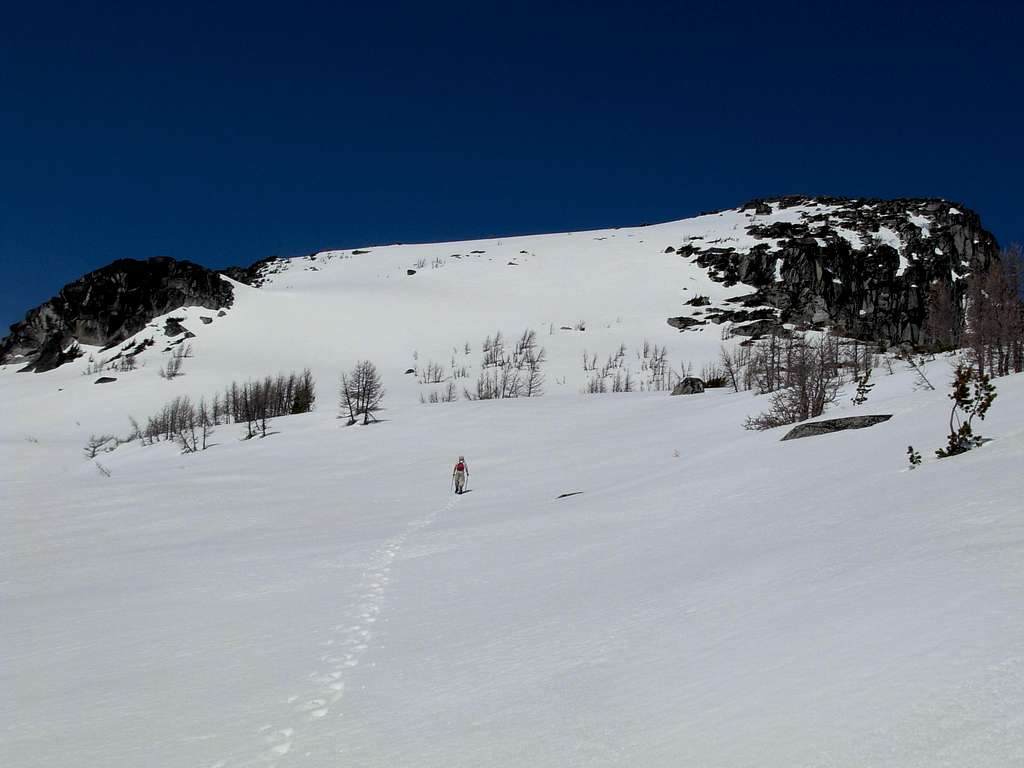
(914, 457)
(972, 396)
(864, 387)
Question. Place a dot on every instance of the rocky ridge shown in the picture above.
(109, 305)
(861, 266)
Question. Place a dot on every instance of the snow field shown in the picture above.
(319, 598)
(712, 597)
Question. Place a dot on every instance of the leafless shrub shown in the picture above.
(713, 375)
(125, 364)
(93, 366)
(493, 351)
(735, 364)
(433, 373)
(99, 444)
(623, 382)
(503, 375)
(660, 373)
(172, 368)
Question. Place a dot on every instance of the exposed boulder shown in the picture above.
(105, 380)
(109, 305)
(682, 323)
(835, 425)
(173, 326)
(691, 385)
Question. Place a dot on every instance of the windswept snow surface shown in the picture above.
(709, 597)
(319, 598)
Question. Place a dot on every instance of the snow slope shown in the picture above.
(328, 310)
(712, 597)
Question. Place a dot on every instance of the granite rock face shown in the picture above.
(861, 266)
(108, 306)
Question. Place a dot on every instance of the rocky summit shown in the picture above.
(862, 266)
(109, 305)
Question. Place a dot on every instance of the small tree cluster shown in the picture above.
(172, 368)
(252, 403)
(433, 373)
(987, 317)
(806, 374)
(972, 396)
(994, 329)
(448, 395)
(518, 374)
(736, 367)
(617, 375)
(182, 421)
(361, 392)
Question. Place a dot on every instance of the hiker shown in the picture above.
(461, 474)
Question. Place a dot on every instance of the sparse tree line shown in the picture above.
(514, 370)
(191, 424)
(125, 360)
(616, 373)
(987, 320)
(251, 403)
(802, 372)
(254, 403)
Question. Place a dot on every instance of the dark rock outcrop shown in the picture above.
(835, 425)
(173, 326)
(682, 323)
(256, 273)
(691, 385)
(109, 305)
(861, 266)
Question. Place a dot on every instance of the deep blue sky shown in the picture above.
(224, 133)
